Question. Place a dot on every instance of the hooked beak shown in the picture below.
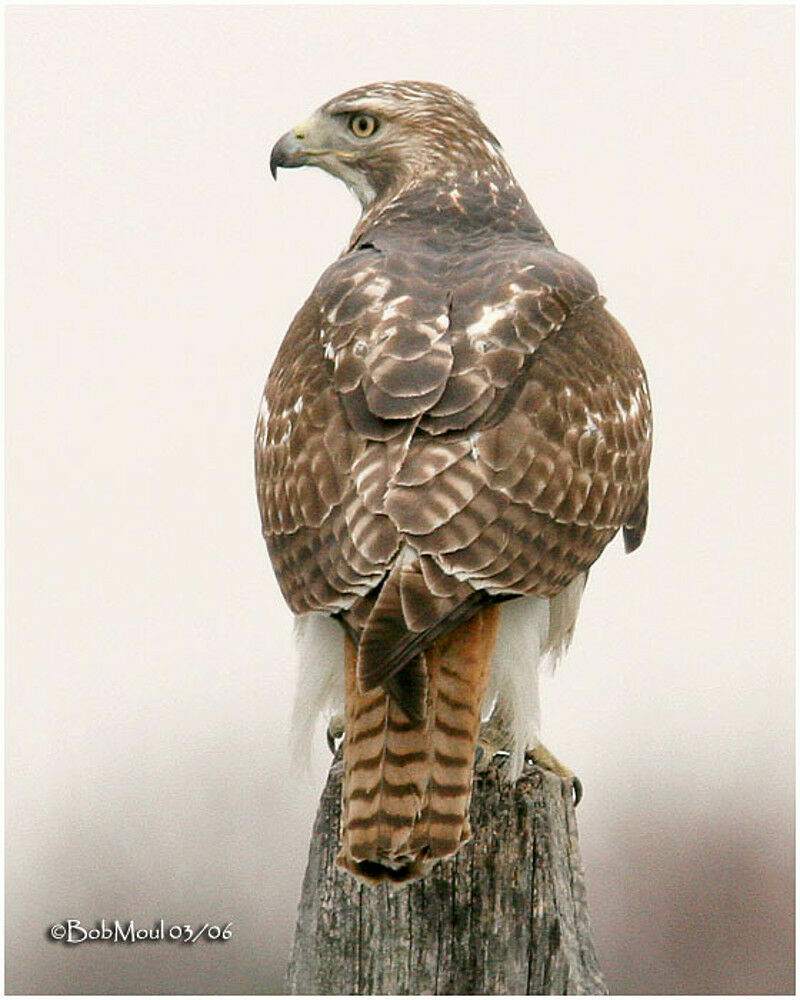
(288, 151)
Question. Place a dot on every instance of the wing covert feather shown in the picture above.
(495, 419)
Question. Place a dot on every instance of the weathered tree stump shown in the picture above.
(507, 915)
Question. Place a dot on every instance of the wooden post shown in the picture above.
(507, 915)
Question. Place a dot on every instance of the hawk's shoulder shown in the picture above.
(432, 334)
(471, 399)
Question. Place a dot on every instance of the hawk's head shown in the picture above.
(380, 137)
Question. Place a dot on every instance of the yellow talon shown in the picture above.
(542, 757)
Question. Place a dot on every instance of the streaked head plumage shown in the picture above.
(382, 136)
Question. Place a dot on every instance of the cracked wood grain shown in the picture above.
(507, 915)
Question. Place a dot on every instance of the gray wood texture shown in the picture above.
(507, 915)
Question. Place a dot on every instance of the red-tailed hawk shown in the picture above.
(453, 430)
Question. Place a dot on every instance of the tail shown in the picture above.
(408, 781)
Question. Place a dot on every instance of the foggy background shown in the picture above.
(152, 269)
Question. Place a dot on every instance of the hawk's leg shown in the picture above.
(334, 732)
(494, 740)
(494, 746)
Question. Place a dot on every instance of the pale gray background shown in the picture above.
(153, 267)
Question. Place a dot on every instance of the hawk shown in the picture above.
(453, 430)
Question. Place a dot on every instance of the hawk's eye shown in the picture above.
(362, 125)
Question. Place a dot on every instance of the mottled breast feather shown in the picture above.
(453, 418)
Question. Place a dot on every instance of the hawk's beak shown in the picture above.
(288, 151)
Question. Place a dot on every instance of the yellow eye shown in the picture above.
(362, 125)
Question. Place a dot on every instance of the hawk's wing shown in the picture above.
(480, 413)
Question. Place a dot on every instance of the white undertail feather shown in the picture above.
(534, 633)
(319, 645)
(563, 615)
(514, 680)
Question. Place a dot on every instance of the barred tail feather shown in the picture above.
(460, 665)
(408, 782)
